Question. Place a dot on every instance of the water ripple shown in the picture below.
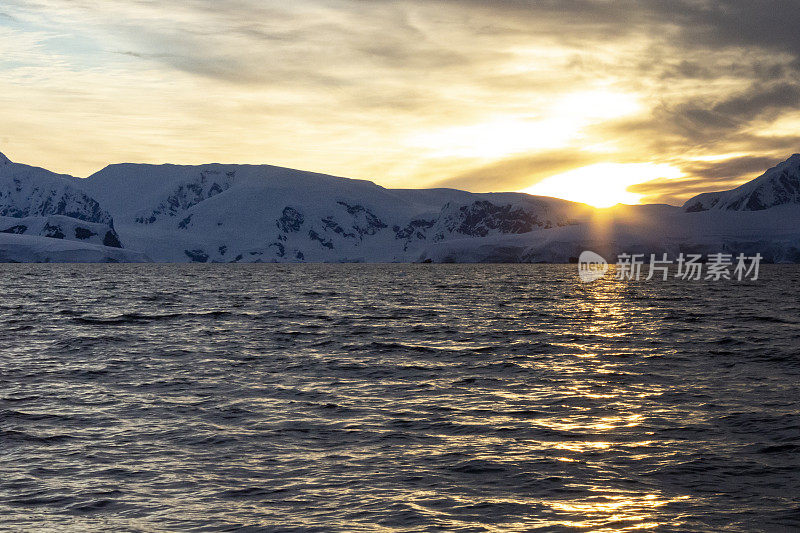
(395, 397)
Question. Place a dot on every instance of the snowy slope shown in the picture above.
(30, 249)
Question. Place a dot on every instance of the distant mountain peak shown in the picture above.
(777, 186)
(792, 162)
(27, 191)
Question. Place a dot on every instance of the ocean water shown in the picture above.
(396, 398)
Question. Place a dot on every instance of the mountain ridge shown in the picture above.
(777, 186)
(264, 213)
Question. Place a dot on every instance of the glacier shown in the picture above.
(262, 213)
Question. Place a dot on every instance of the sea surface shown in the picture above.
(347, 398)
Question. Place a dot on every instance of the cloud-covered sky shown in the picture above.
(679, 96)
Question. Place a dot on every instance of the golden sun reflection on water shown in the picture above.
(604, 317)
(619, 508)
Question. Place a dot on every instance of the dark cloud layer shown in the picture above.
(699, 118)
(768, 24)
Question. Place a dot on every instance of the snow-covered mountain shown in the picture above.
(38, 206)
(244, 213)
(247, 213)
(779, 185)
(27, 191)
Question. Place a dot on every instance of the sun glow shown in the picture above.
(497, 138)
(602, 184)
(552, 124)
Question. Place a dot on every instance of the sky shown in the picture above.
(601, 101)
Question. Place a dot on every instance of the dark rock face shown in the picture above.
(479, 218)
(54, 232)
(364, 221)
(415, 228)
(90, 212)
(695, 208)
(83, 233)
(197, 256)
(45, 201)
(330, 224)
(314, 236)
(788, 187)
(209, 183)
(111, 240)
(279, 248)
(291, 220)
(183, 224)
(353, 224)
(19, 229)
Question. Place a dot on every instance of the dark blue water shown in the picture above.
(396, 398)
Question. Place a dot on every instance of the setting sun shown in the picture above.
(602, 184)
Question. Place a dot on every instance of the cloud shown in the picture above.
(339, 86)
(731, 168)
(677, 192)
(757, 102)
(703, 177)
(743, 23)
(514, 174)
